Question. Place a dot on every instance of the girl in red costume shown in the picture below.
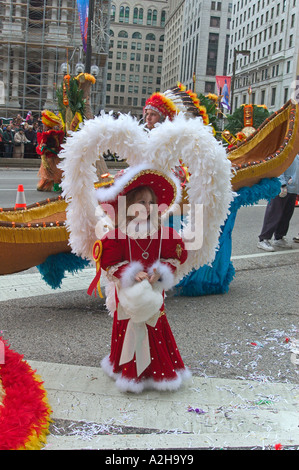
(140, 257)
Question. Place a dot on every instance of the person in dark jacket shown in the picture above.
(8, 140)
(30, 134)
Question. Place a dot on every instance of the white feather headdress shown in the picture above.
(161, 148)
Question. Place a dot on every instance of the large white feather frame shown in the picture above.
(161, 148)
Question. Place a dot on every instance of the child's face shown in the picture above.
(145, 198)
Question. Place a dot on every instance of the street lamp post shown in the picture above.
(236, 53)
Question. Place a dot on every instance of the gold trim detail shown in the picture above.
(33, 235)
(36, 211)
(178, 250)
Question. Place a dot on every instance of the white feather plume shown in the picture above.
(161, 148)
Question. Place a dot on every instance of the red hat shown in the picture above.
(165, 186)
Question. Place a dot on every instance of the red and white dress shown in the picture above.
(144, 353)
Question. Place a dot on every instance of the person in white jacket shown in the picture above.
(19, 144)
(280, 210)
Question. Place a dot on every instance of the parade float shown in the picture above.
(259, 152)
(37, 235)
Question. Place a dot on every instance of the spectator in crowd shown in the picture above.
(8, 140)
(30, 134)
(19, 143)
(1, 140)
(19, 121)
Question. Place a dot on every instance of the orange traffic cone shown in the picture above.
(20, 199)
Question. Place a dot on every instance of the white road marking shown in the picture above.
(232, 415)
(25, 285)
(268, 253)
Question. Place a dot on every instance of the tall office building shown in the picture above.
(263, 51)
(135, 54)
(39, 42)
(196, 43)
(172, 44)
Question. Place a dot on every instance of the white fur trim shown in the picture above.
(140, 301)
(110, 301)
(167, 279)
(127, 277)
(126, 385)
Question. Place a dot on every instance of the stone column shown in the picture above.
(14, 100)
(49, 104)
(63, 20)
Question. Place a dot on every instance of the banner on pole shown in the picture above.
(223, 87)
(83, 9)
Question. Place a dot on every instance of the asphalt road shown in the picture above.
(243, 334)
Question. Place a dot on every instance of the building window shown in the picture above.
(121, 14)
(209, 87)
(286, 94)
(215, 22)
(138, 16)
(149, 17)
(112, 17)
(150, 37)
(212, 54)
(273, 96)
(136, 35)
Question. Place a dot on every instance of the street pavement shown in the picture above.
(239, 346)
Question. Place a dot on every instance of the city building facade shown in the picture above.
(172, 44)
(205, 43)
(135, 54)
(39, 43)
(263, 54)
(196, 43)
(139, 47)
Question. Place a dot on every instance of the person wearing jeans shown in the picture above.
(279, 211)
